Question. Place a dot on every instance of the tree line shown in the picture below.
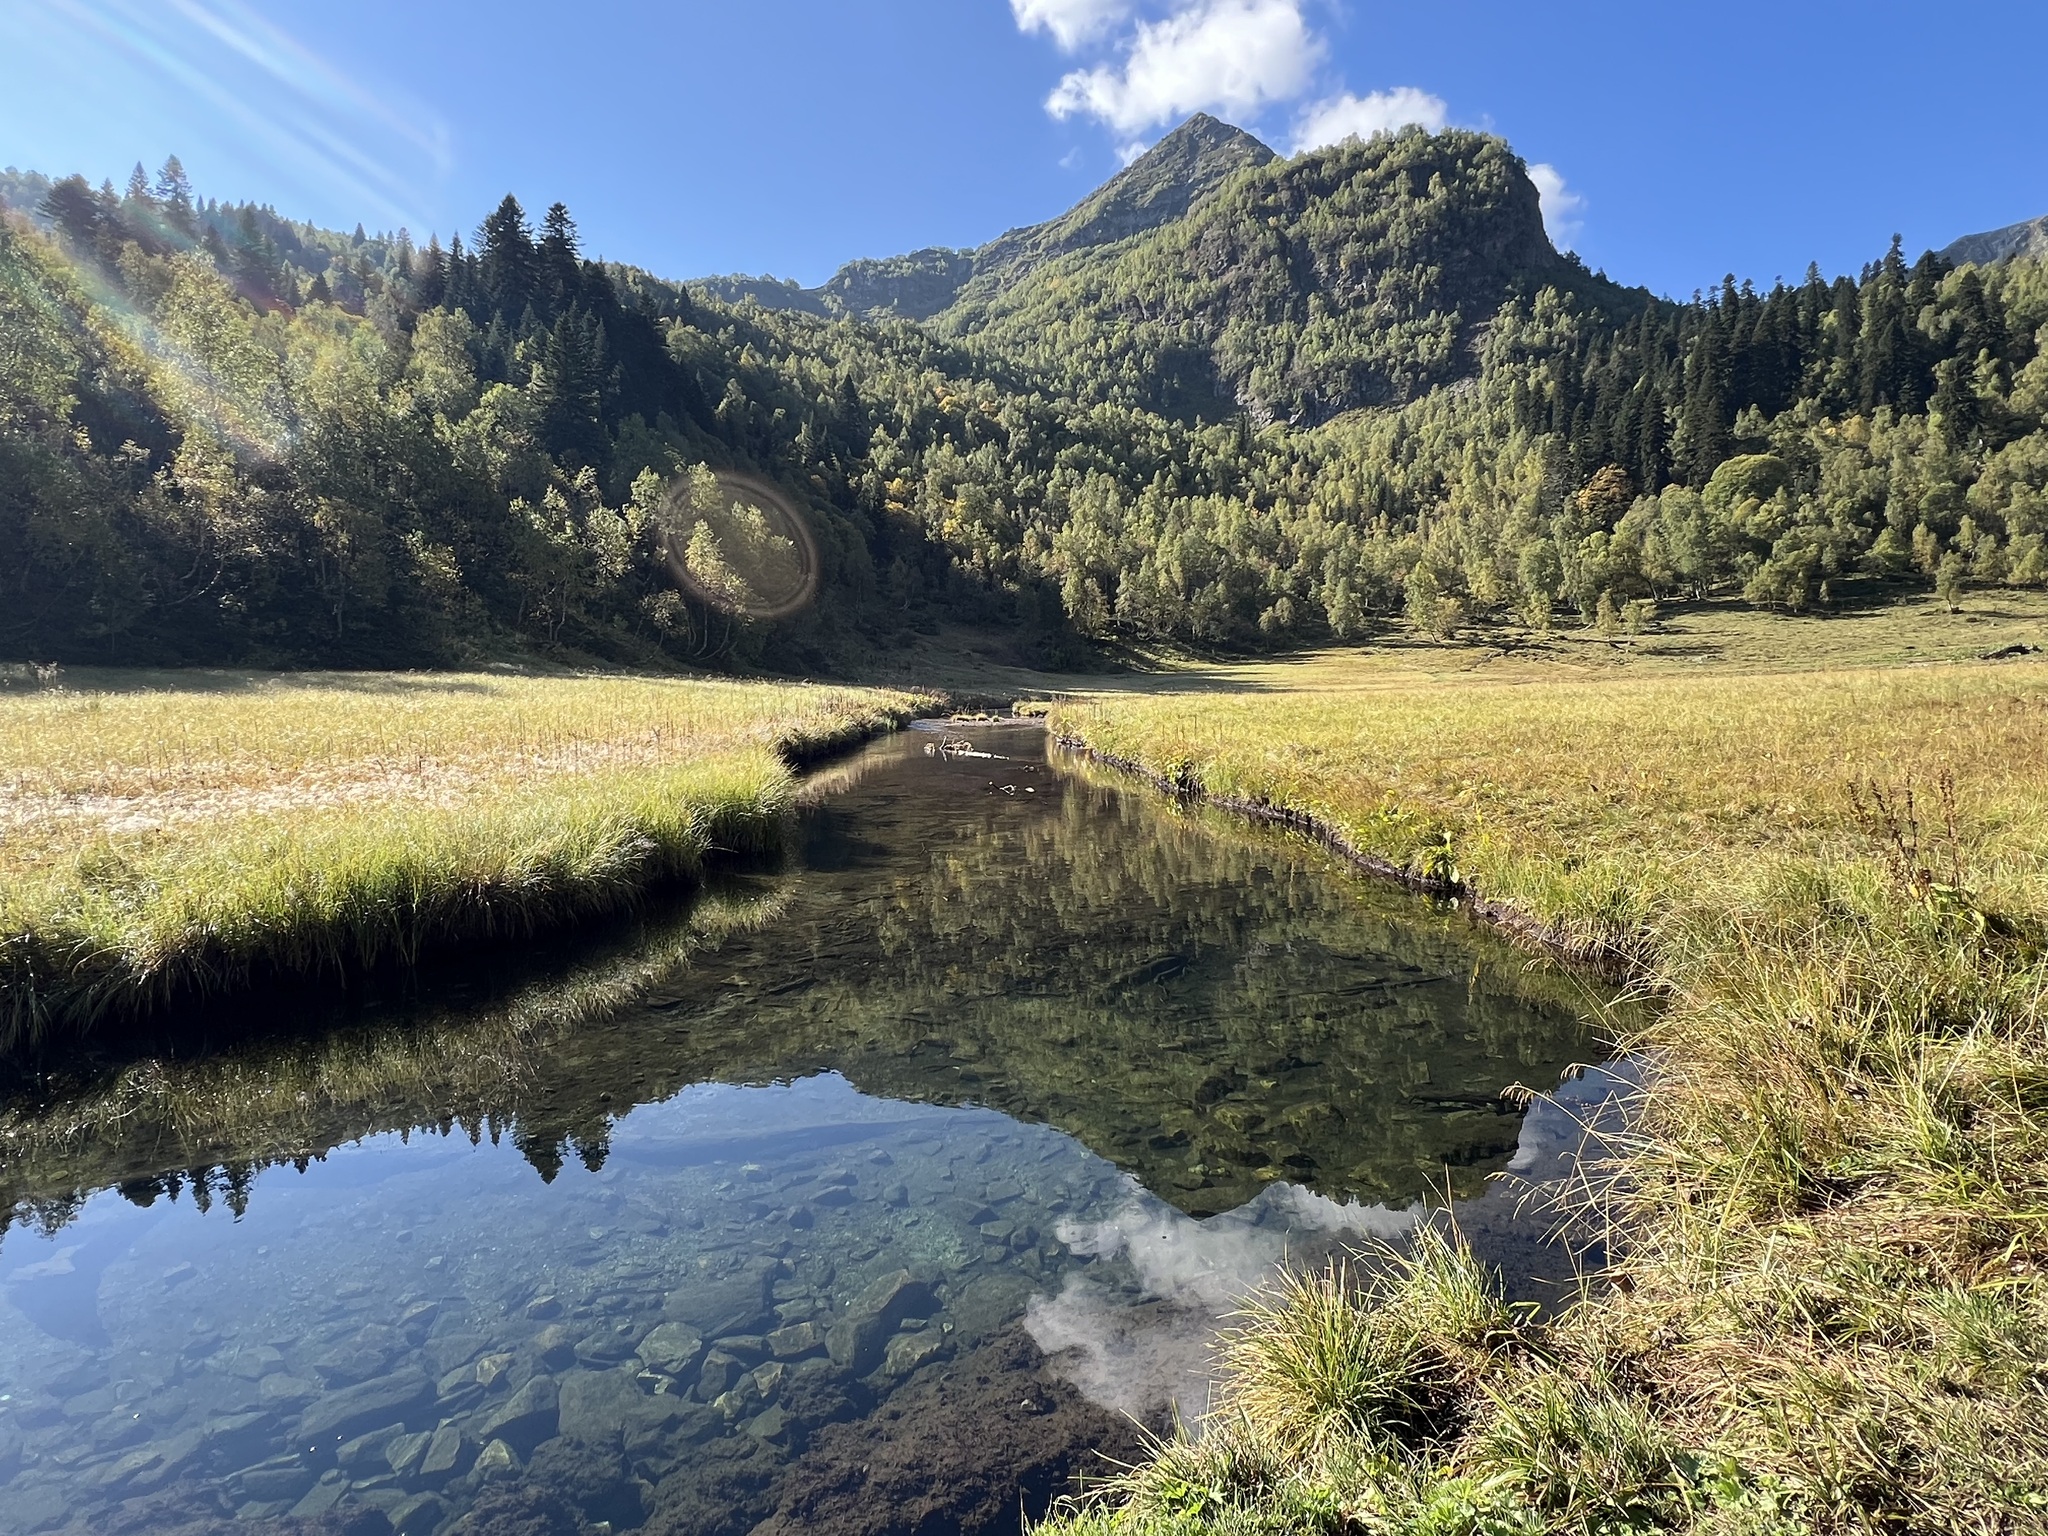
(228, 437)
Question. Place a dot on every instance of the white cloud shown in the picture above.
(1562, 207)
(1070, 23)
(1138, 1353)
(1360, 117)
(1227, 56)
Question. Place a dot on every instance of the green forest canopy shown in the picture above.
(1335, 388)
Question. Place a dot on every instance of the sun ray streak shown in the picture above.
(289, 109)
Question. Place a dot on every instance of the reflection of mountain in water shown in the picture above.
(1211, 1009)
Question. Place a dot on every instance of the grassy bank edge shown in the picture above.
(1616, 954)
(364, 890)
(1830, 1311)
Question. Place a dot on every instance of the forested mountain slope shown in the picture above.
(1333, 389)
(1360, 275)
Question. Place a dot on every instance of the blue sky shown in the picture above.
(1679, 141)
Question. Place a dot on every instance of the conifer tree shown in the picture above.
(558, 258)
(506, 260)
(430, 275)
(71, 206)
(174, 192)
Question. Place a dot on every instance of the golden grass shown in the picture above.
(1586, 803)
(175, 833)
(1829, 1311)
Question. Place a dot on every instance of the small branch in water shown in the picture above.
(960, 746)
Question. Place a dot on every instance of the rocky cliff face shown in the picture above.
(2026, 239)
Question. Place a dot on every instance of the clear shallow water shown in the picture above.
(868, 1194)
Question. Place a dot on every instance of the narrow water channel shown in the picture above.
(879, 1192)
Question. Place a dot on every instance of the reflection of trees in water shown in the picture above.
(1207, 1008)
(1201, 1004)
(204, 1128)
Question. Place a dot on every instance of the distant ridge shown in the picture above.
(1158, 187)
(2026, 239)
(1211, 279)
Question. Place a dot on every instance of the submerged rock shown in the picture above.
(448, 1455)
(322, 1496)
(555, 1346)
(672, 1348)
(856, 1341)
(796, 1341)
(496, 1460)
(418, 1515)
(403, 1452)
(592, 1405)
(528, 1417)
(279, 1390)
(194, 1509)
(595, 1479)
(956, 1450)
(351, 1411)
(360, 1357)
(908, 1351)
(518, 1508)
(367, 1448)
(283, 1479)
(608, 1345)
(721, 1370)
(734, 1302)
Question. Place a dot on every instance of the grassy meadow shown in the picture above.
(180, 834)
(1829, 1310)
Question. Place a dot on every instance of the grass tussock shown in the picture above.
(166, 838)
(1829, 1305)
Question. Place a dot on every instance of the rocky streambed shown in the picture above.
(667, 1342)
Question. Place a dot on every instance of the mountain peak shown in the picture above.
(1154, 189)
(1209, 133)
(1158, 187)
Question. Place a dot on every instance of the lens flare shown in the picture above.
(245, 414)
(737, 544)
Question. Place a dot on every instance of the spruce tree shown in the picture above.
(70, 205)
(430, 276)
(570, 387)
(174, 192)
(1884, 354)
(506, 260)
(558, 258)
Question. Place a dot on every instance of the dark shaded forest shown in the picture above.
(1327, 392)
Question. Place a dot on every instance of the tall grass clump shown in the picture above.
(175, 842)
(1827, 1305)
